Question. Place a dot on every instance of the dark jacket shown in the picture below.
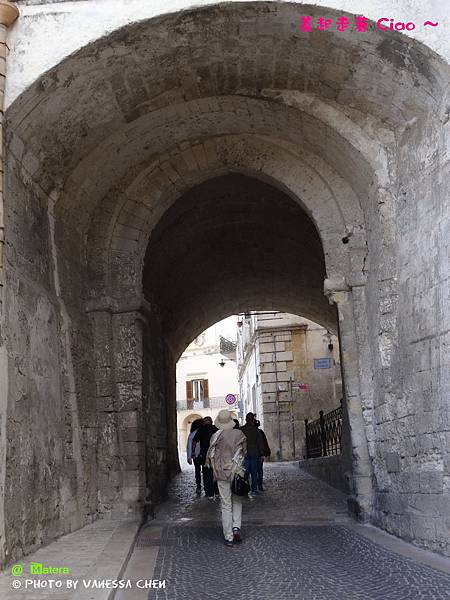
(204, 435)
(255, 444)
(265, 443)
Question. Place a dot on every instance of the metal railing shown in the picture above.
(324, 435)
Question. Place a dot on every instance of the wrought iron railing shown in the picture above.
(191, 404)
(324, 435)
(211, 402)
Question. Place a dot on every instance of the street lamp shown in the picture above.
(330, 342)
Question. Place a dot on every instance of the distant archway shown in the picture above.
(184, 430)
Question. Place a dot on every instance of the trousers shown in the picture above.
(208, 480)
(260, 473)
(198, 471)
(231, 506)
(253, 463)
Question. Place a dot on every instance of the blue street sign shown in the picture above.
(323, 363)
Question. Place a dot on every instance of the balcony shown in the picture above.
(214, 402)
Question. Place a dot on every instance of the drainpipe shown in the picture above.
(8, 14)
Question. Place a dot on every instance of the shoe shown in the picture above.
(252, 494)
(236, 535)
(228, 543)
(210, 497)
(261, 489)
(216, 496)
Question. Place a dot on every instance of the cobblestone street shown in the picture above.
(298, 544)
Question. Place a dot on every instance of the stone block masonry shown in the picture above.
(162, 173)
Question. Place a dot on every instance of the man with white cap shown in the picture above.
(227, 446)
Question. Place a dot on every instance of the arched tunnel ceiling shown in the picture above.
(233, 244)
(244, 50)
(89, 128)
(154, 138)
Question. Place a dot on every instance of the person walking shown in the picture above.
(266, 454)
(195, 457)
(254, 451)
(203, 437)
(227, 455)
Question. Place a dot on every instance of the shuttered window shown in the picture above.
(197, 390)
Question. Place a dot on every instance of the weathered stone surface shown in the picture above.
(392, 462)
(340, 143)
(296, 537)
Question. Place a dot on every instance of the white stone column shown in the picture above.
(361, 501)
(109, 477)
(171, 412)
(117, 333)
(127, 375)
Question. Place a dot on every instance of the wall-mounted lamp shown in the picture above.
(330, 343)
(222, 363)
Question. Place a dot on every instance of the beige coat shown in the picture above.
(227, 444)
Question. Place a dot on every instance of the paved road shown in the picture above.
(298, 545)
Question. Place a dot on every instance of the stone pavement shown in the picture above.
(289, 563)
(299, 544)
(97, 551)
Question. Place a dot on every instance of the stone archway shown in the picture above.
(99, 158)
(184, 428)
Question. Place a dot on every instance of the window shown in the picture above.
(197, 390)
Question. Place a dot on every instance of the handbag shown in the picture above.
(239, 485)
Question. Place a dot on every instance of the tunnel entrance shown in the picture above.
(230, 243)
(207, 379)
(282, 368)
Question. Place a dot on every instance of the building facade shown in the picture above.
(288, 370)
(206, 375)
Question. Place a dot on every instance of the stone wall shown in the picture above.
(155, 423)
(287, 346)
(324, 385)
(50, 480)
(346, 137)
(411, 413)
(330, 469)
